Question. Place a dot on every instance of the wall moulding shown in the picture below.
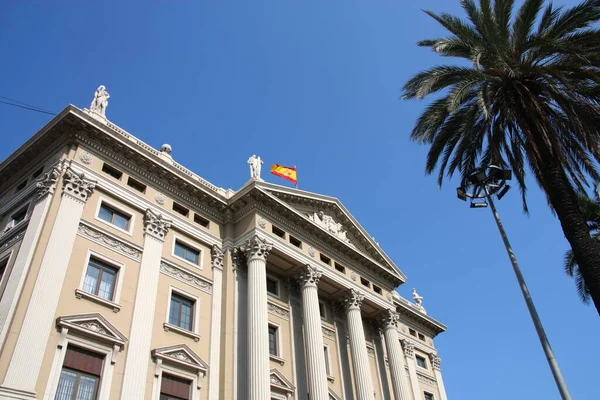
(105, 239)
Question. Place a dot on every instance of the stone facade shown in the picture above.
(112, 250)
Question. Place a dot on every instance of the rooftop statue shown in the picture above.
(100, 101)
(418, 300)
(255, 166)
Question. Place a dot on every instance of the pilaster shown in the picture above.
(215, 327)
(138, 354)
(28, 354)
(409, 353)
(435, 364)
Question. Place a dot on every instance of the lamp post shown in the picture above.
(479, 187)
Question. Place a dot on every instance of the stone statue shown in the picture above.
(418, 300)
(100, 101)
(255, 166)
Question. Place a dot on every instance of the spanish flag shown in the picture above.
(288, 173)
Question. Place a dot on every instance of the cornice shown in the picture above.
(407, 312)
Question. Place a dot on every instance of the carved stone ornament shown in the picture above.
(86, 158)
(276, 381)
(97, 236)
(77, 185)
(47, 183)
(262, 222)
(389, 319)
(353, 299)
(216, 254)
(435, 361)
(309, 276)
(180, 355)
(156, 225)
(409, 348)
(185, 276)
(256, 248)
(94, 327)
(353, 276)
(328, 333)
(329, 224)
(311, 251)
(278, 310)
(160, 199)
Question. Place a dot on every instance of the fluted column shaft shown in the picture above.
(140, 339)
(27, 357)
(358, 347)
(215, 325)
(395, 357)
(259, 387)
(313, 334)
(409, 353)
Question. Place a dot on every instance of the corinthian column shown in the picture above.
(358, 346)
(138, 354)
(26, 361)
(259, 387)
(215, 325)
(435, 363)
(313, 334)
(46, 186)
(395, 356)
(409, 353)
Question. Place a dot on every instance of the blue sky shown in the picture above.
(316, 84)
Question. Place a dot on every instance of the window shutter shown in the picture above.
(83, 360)
(177, 387)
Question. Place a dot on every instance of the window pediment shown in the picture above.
(181, 356)
(280, 383)
(333, 395)
(93, 325)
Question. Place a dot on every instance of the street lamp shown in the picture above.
(479, 187)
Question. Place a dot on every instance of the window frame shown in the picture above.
(110, 170)
(118, 285)
(420, 357)
(118, 208)
(328, 366)
(11, 220)
(106, 376)
(277, 283)
(279, 356)
(136, 184)
(191, 383)
(186, 243)
(194, 333)
(324, 316)
(6, 256)
(176, 372)
(426, 393)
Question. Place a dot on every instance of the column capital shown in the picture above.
(216, 254)
(353, 300)
(409, 348)
(46, 184)
(309, 276)
(256, 247)
(389, 319)
(77, 185)
(156, 225)
(435, 361)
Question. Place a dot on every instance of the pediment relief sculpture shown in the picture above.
(329, 224)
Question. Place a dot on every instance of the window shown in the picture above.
(181, 312)
(100, 279)
(412, 332)
(178, 208)
(325, 259)
(421, 362)
(295, 242)
(3, 265)
(174, 388)
(273, 286)
(38, 172)
(19, 215)
(365, 282)
(322, 310)
(421, 337)
(273, 341)
(201, 221)
(427, 396)
(80, 375)
(137, 185)
(21, 185)
(377, 289)
(340, 268)
(278, 232)
(112, 171)
(187, 253)
(327, 366)
(114, 217)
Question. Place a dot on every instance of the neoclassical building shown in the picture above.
(124, 275)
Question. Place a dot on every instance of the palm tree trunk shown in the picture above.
(574, 225)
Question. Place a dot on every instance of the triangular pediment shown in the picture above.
(180, 355)
(328, 215)
(333, 395)
(92, 325)
(280, 382)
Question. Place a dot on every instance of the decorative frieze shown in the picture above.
(156, 225)
(328, 332)
(426, 380)
(94, 234)
(186, 277)
(278, 310)
(77, 185)
(370, 351)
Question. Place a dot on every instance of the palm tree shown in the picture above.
(526, 93)
(591, 210)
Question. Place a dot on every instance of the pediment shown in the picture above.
(93, 325)
(181, 355)
(333, 395)
(280, 382)
(328, 215)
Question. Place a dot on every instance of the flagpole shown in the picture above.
(296, 177)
